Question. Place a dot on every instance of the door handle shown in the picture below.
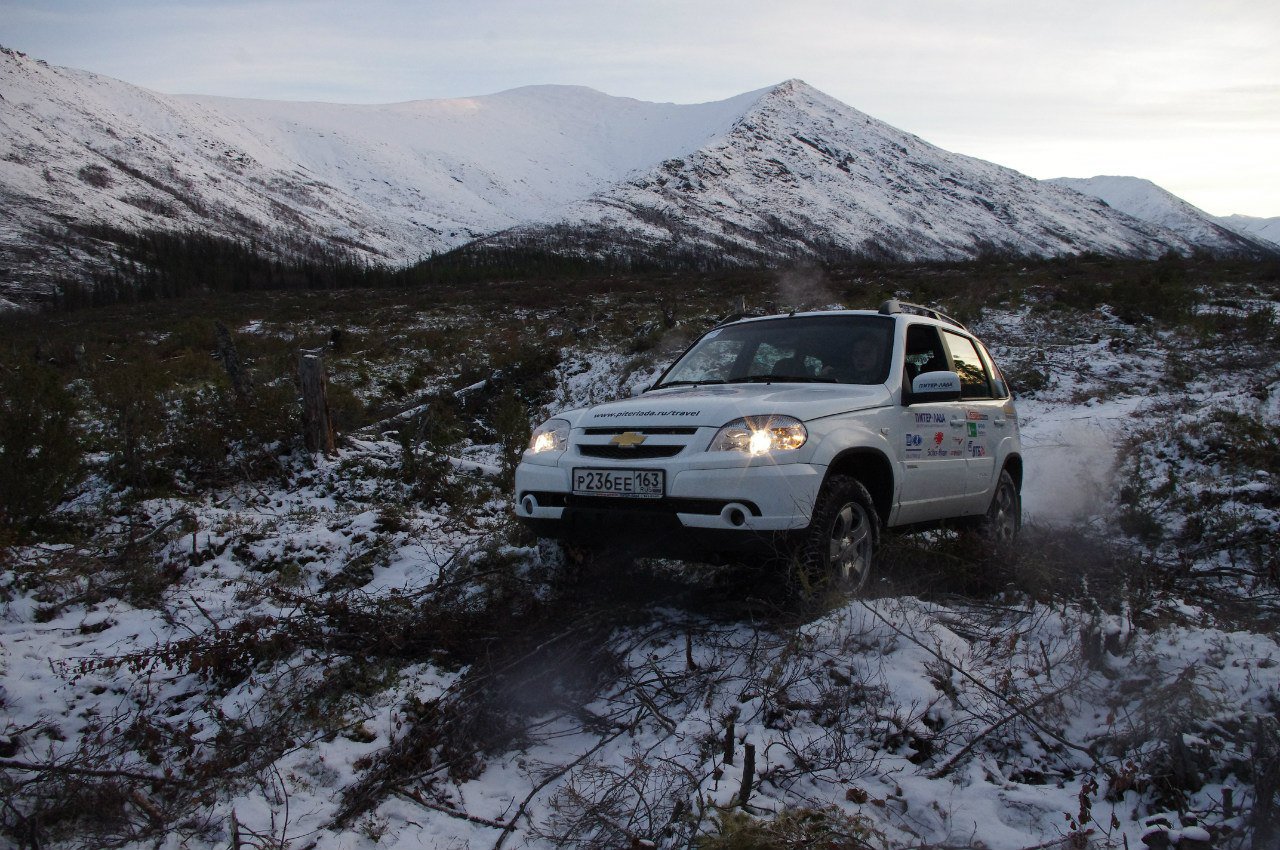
(957, 423)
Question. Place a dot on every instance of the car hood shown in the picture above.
(716, 405)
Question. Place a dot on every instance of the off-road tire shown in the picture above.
(999, 527)
(838, 548)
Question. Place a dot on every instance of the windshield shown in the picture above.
(818, 349)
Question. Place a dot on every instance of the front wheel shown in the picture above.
(839, 545)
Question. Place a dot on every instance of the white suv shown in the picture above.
(805, 434)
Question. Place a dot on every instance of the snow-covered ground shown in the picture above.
(1003, 722)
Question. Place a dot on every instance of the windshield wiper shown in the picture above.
(782, 379)
(663, 386)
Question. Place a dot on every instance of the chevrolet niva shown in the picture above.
(804, 434)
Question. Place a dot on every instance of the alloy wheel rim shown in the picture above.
(850, 545)
(1004, 523)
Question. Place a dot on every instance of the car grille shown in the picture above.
(598, 432)
(620, 453)
(658, 442)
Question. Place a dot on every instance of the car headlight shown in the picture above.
(550, 436)
(757, 435)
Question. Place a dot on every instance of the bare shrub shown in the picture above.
(643, 799)
(151, 204)
(95, 175)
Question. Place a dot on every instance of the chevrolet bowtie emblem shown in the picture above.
(627, 440)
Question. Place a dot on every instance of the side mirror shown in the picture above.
(933, 387)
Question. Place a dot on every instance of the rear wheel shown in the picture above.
(999, 527)
(839, 545)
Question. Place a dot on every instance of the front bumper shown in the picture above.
(726, 508)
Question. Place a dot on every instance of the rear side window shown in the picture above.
(998, 386)
(974, 381)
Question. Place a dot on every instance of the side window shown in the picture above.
(924, 353)
(974, 382)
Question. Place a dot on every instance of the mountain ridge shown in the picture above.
(1256, 226)
(902, 198)
(772, 175)
(1149, 202)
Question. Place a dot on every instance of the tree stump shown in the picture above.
(317, 430)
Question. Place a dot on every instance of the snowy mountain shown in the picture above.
(1147, 202)
(801, 174)
(1258, 228)
(767, 175)
(392, 183)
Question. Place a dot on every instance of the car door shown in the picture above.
(931, 448)
(980, 419)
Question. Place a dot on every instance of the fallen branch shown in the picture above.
(177, 517)
(649, 704)
(417, 797)
(14, 764)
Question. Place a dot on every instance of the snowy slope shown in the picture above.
(802, 174)
(393, 182)
(1249, 225)
(400, 179)
(1146, 201)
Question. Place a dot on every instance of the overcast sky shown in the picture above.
(1183, 92)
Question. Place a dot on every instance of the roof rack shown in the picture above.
(747, 314)
(893, 305)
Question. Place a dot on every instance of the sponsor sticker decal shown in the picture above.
(616, 413)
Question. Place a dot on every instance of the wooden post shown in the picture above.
(748, 773)
(231, 362)
(317, 430)
(728, 742)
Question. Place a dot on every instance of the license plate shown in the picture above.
(629, 483)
